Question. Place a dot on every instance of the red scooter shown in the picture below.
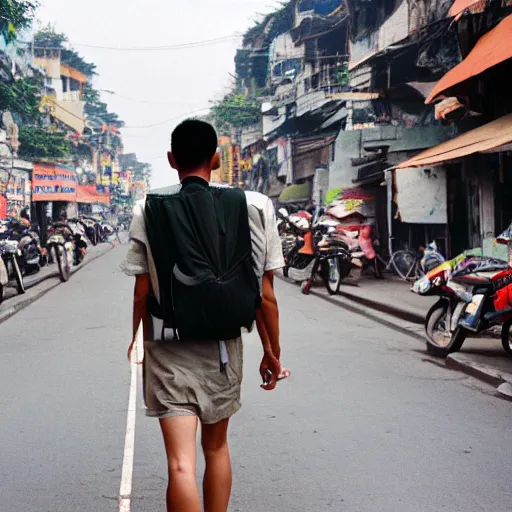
(475, 294)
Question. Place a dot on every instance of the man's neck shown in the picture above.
(203, 173)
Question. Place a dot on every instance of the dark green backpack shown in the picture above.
(201, 245)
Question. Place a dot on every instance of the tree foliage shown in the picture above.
(234, 111)
(96, 108)
(52, 40)
(15, 15)
(272, 25)
(22, 97)
(39, 143)
(141, 171)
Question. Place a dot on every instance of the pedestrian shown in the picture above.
(204, 258)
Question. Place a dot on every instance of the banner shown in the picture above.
(89, 194)
(53, 183)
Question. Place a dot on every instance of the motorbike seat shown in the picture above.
(338, 243)
(480, 279)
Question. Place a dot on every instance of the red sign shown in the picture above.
(3, 207)
(53, 183)
(88, 194)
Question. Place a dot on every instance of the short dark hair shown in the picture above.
(193, 143)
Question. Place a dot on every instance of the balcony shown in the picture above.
(72, 96)
(320, 86)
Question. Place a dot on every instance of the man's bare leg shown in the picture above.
(218, 476)
(180, 444)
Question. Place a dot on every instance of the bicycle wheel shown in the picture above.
(404, 263)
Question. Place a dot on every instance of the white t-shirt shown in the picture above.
(266, 244)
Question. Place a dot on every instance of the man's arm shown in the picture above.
(135, 264)
(268, 325)
(140, 312)
(271, 313)
(267, 319)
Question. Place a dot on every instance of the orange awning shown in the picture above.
(459, 6)
(487, 137)
(72, 73)
(88, 194)
(491, 49)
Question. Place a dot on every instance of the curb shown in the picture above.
(505, 391)
(407, 323)
(387, 322)
(400, 313)
(484, 372)
(11, 311)
(394, 315)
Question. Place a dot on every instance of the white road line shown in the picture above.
(125, 491)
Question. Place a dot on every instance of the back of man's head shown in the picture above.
(193, 144)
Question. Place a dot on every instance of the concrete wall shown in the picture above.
(347, 146)
(320, 185)
(352, 144)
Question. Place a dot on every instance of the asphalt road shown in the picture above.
(364, 424)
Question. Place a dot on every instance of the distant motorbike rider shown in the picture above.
(25, 217)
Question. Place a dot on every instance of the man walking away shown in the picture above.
(196, 288)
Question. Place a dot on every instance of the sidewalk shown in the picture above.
(41, 283)
(481, 357)
(390, 296)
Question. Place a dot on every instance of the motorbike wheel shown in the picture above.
(98, 234)
(285, 271)
(1, 293)
(506, 337)
(18, 276)
(94, 237)
(440, 341)
(332, 276)
(62, 257)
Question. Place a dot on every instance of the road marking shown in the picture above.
(125, 491)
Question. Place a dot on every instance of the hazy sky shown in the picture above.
(155, 86)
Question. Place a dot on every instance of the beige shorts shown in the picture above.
(186, 378)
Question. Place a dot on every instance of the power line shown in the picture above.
(113, 93)
(167, 120)
(182, 46)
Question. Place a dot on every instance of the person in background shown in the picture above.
(25, 217)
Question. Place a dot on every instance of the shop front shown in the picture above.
(54, 191)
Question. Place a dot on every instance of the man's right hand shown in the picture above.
(272, 364)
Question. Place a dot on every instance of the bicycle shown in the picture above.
(406, 264)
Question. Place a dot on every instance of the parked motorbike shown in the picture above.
(33, 256)
(68, 245)
(108, 233)
(4, 279)
(104, 231)
(475, 294)
(92, 229)
(311, 249)
(282, 221)
(11, 272)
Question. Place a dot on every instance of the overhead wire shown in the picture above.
(181, 46)
(160, 123)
